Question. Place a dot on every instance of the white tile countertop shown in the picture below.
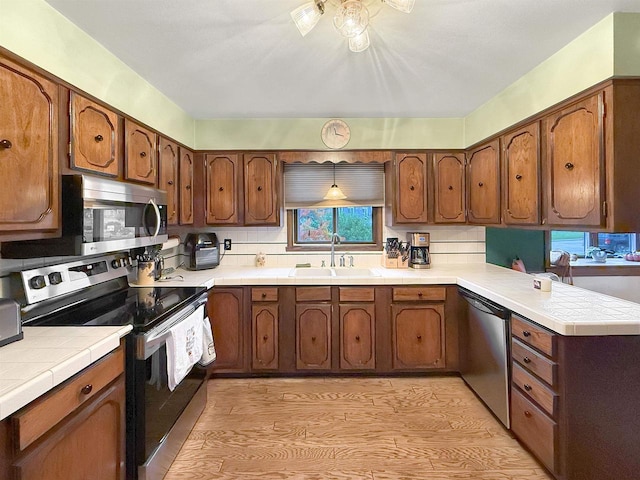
(566, 310)
(46, 357)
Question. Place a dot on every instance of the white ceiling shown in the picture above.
(246, 59)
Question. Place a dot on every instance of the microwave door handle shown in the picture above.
(158, 217)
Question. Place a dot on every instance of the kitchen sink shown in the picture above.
(333, 272)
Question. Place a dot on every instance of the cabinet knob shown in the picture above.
(526, 360)
(419, 337)
(527, 413)
(170, 182)
(259, 189)
(419, 294)
(526, 333)
(86, 390)
(568, 166)
(357, 338)
(518, 177)
(313, 339)
(264, 295)
(98, 138)
(265, 338)
(220, 189)
(450, 187)
(412, 187)
(5, 144)
(527, 387)
(480, 184)
(143, 154)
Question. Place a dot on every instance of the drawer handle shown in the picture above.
(527, 413)
(313, 339)
(86, 390)
(5, 144)
(518, 177)
(526, 360)
(527, 387)
(259, 189)
(568, 166)
(419, 294)
(450, 187)
(480, 184)
(526, 333)
(357, 338)
(264, 295)
(412, 187)
(188, 187)
(98, 138)
(220, 189)
(419, 337)
(170, 182)
(265, 338)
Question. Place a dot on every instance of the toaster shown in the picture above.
(202, 250)
(10, 322)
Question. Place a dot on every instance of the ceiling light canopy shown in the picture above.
(351, 18)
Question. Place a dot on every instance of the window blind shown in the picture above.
(305, 185)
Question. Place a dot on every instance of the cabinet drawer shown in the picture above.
(36, 420)
(535, 389)
(534, 362)
(357, 294)
(412, 294)
(269, 294)
(313, 294)
(533, 335)
(533, 428)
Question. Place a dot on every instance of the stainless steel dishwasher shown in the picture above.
(484, 352)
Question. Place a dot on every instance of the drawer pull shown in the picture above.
(264, 295)
(5, 144)
(480, 184)
(450, 187)
(259, 189)
(526, 333)
(526, 360)
(98, 138)
(518, 177)
(265, 338)
(86, 390)
(170, 182)
(188, 187)
(220, 189)
(527, 387)
(419, 337)
(419, 294)
(357, 338)
(412, 187)
(527, 413)
(568, 166)
(313, 339)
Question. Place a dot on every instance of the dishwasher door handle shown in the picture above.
(486, 308)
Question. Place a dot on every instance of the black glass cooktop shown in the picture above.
(142, 307)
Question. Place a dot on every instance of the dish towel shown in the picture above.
(184, 347)
(208, 348)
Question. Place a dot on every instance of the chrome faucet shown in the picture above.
(334, 237)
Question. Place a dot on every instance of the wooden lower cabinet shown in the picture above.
(357, 336)
(313, 336)
(418, 336)
(225, 309)
(76, 431)
(264, 328)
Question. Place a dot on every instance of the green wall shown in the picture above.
(503, 245)
(35, 31)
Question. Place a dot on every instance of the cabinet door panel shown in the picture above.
(223, 174)
(411, 196)
(260, 190)
(28, 150)
(141, 161)
(449, 188)
(483, 184)
(224, 309)
(575, 162)
(357, 336)
(418, 336)
(186, 186)
(265, 337)
(94, 137)
(168, 177)
(521, 176)
(313, 337)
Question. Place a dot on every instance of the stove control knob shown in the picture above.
(37, 282)
(55, 278)
(117, 263)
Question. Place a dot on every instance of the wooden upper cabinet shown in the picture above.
(410, 183)
(483, 184)
(168, 177)
(261, 206)
(141, 159)
(449, 188)
(575, 164)
(95, 143)
(29, 181)
(186, 186)
(223, 177)
(521, 176)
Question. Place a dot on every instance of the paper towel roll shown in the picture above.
(173, 242)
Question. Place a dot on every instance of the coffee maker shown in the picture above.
(418, 250)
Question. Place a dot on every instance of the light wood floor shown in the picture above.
(349, 428)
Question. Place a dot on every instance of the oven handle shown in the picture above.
(158, 336)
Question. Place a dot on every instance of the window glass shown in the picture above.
(616, 243)
(572, 242)
(582, 243)
(353, 224)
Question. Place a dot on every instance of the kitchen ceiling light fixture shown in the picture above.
(351, 19)
(334, 193)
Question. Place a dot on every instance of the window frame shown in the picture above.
(376, 220)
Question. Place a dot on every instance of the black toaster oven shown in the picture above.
(202, 251)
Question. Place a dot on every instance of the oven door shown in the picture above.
(157, 409)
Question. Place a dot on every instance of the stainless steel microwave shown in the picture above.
(100, 216)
